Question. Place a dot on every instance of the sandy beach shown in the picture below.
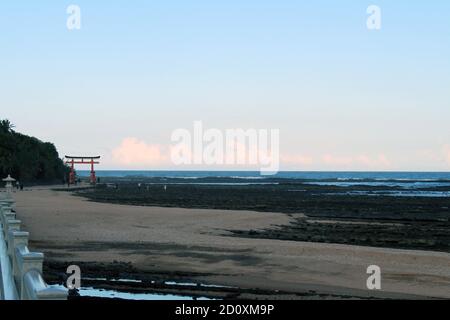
(69, 228)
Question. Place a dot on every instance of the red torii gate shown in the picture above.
(82, 160)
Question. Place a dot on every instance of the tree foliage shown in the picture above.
(27, 158)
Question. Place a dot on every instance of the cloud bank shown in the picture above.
(133, 152)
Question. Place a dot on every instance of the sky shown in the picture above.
(342, 96)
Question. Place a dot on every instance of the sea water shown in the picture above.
(409, 183)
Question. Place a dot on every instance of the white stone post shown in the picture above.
(5, 217)
(15, 240)
(26, 262)
(13, 225)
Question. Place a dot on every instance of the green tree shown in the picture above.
(6, 126)
(27, 158)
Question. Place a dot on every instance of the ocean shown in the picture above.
(421, 184)
(338, 176)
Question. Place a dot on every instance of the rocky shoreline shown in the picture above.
(325, 214)
(124, 277)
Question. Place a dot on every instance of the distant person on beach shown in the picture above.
(21, 186)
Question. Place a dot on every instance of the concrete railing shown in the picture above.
(21, 270)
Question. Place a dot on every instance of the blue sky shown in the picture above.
(343, 97)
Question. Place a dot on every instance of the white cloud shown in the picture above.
(134, 152)
(296, 160)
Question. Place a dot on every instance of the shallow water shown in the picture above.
(102, 293)
(191, 284)
(404, 185)
(387, 193)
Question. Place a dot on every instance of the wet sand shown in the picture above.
(69, 228)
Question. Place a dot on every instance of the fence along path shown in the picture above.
(20, 269)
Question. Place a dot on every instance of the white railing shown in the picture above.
(21, 270)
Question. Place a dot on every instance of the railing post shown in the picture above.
(10, 225)
(6, 208)
(6, 213)
(27, 261)
(13, 225)
(7, 203)
(16, 239)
